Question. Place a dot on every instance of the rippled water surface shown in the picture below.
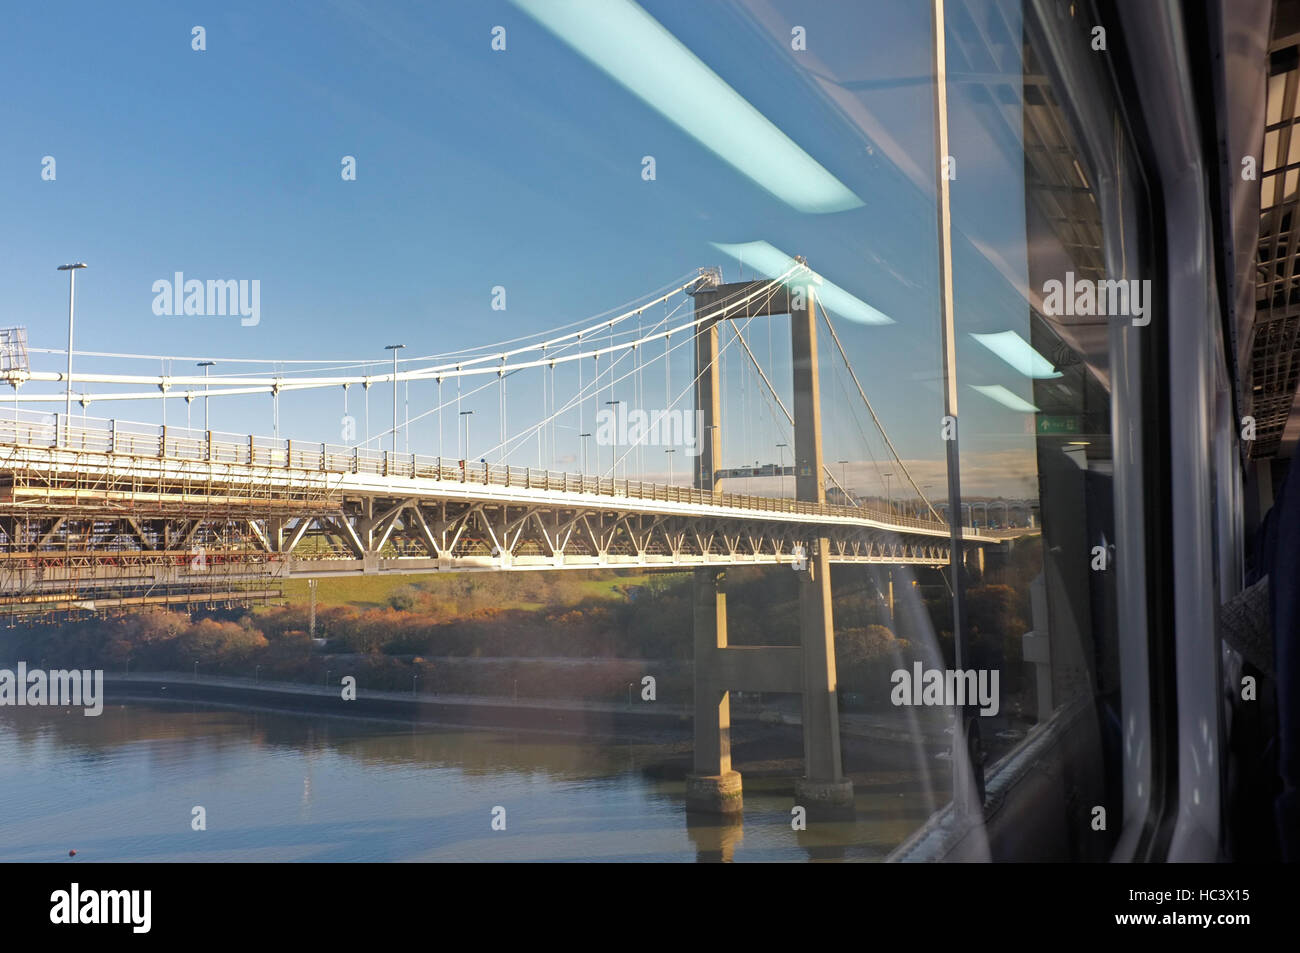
(278, 787)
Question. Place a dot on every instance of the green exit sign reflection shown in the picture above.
(1054, 424)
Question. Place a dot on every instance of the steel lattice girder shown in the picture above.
(86, 520)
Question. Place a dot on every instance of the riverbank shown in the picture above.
(637, 719)
(569, 717)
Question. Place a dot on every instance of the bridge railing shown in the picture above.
(94, 435)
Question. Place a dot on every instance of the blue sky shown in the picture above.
(476, 169)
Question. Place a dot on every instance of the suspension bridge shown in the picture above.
(96, 513)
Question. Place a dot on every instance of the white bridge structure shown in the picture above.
(127, 512)
(96, 513)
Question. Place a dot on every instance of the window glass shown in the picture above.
(444, 266)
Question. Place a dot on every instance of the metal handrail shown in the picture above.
(81, 434)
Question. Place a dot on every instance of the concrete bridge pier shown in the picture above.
(823, 787)
(889, 599)
(713, 787)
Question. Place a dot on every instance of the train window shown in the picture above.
(1052, 288)
(680, 434)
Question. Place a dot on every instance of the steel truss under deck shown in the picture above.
(84, 529)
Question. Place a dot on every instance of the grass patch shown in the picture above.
(506, 590)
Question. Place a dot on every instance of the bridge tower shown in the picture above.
(807, 668)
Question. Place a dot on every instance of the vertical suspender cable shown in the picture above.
(581, 428)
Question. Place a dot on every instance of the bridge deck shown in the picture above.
(109, 508)
(253, 462)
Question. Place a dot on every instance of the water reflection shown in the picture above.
(715, 838)
(121, 787)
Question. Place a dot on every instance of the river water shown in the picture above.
(280, 787)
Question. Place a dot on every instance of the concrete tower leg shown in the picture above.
(708, 403)
(712, 787)
(823, 784)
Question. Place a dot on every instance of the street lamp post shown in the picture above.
(844, 480)
(613, 451)
(394, 348)
(584, 437)
(889, 496)
(72, 294)
(670, 451)
(465, 415)
(205, 365)
(780, 448)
